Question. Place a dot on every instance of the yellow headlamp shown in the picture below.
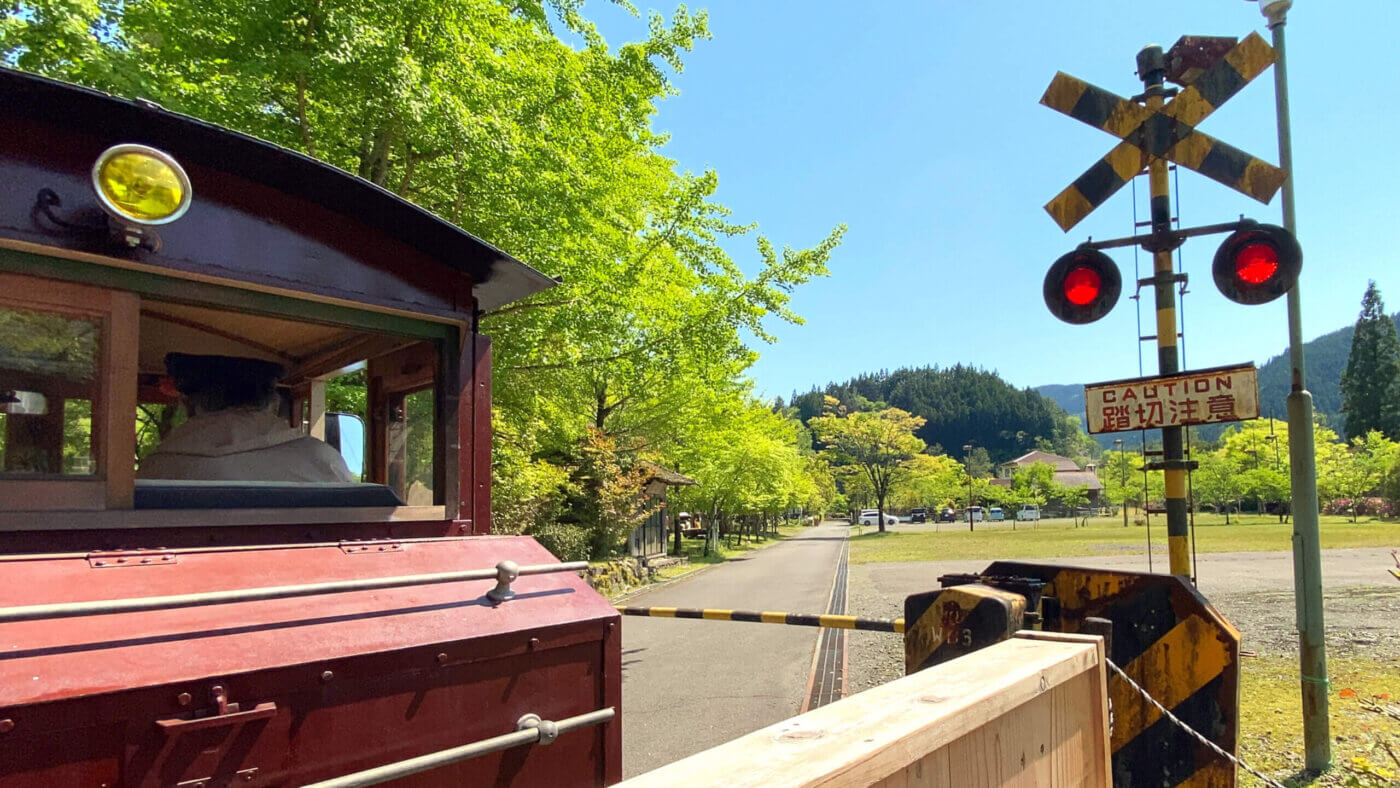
(142, 185)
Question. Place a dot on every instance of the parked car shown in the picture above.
(1029, 512)
(872, 517)
(996, 514)
(918, 515)
(973, 514)
(948, 515)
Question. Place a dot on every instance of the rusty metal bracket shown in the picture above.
(128, 558)
(1169, 465)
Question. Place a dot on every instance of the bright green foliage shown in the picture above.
(1033, 484)
(1371, 382)
(1121, 475)
(930, 481)
(1073, 499)
(877, 444)
(480, 112)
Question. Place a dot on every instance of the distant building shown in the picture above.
(1067, 472)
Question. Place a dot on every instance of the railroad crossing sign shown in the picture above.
(1169, 133)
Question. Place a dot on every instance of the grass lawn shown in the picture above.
(1364, 714)
(1107, 536)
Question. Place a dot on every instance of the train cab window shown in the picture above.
(246, 411)
(48, 379)
(114, 402)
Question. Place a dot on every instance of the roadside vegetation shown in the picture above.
(1106, 536)
(1365, 713)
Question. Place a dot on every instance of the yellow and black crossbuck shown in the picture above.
(1168, 133)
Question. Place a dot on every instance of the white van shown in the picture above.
(974, 514)
(1028, 512)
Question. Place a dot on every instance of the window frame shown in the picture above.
(112, 484)
(114, 296)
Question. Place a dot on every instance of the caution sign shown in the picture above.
(1204, 396)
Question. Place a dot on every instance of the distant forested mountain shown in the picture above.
(1326, 358)
(962, 405)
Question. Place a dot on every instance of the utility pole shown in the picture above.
(1302, 456)
(1123, 475)
(1151, 63)
(967, 458)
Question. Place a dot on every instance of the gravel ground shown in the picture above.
(1254, 591)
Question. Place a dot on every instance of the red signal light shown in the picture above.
(1082, 286)
(1257, 264)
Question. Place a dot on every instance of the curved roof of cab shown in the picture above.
(497, 278)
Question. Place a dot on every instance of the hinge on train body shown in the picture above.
(356, 547)
(114, 559)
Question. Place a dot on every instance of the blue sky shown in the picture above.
(918, 125)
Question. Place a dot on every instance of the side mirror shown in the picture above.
(345, 432)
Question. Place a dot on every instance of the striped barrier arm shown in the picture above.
(769, 617)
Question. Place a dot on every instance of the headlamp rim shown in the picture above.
(186, 194)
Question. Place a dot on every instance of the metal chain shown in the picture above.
(1202, 739)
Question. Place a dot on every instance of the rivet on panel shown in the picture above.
(7, 725)
(442, 658)
(534, 643)
(184, 698)
(326, 675)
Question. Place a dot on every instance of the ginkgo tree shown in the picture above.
(517, 121)
(880, 445)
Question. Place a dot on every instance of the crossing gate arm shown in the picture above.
(769, 617)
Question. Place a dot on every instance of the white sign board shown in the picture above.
(1202, 397)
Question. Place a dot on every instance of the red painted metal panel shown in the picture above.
(357, 679)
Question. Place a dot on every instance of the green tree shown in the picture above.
(479, 111)
(1120, 472)
(880, 444)
(1216, 481)
(1371, 382)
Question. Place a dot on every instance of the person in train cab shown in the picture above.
(233, 432)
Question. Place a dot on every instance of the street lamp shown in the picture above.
(1123, 471)
(1302, 457)
(967, 460)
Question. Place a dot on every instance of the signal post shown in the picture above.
(1152, 69)
(1256, 264)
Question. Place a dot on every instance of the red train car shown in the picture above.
(262, 631)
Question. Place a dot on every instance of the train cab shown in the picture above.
(245, 450)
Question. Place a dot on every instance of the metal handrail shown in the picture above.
(503, 574)
(529, 729)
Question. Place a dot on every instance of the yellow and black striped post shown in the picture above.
(1152, 68)
(769, 617)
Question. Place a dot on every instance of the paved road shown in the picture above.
(689, 685)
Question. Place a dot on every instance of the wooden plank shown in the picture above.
(871, 736)
(316, 409)
(55, 493)
(114, 422)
